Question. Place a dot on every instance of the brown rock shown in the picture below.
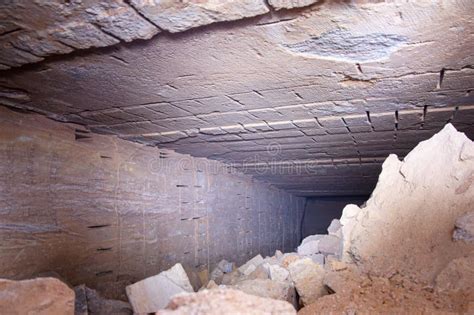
(225, 301)
(96, 305)
(36, 296)
(409, 219)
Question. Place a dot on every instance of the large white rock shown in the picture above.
(225, 301)
(154, 293)
(308, 248)
(308, 279)
(43, 296)
(335, 228)
(330, 245)
(251, 265)
(278, 273)
(408, 221)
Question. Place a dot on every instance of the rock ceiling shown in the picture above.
(310, 99)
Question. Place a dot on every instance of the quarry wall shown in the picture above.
(108, 212)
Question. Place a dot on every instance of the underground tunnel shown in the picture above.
(236, 157)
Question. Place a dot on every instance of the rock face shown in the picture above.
(225, 301)
(408, 221)
(465, 228)
(37, 296)
(154, 293)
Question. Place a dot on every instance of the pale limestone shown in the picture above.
(225, 301)
(154, 293)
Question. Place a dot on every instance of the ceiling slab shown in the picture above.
(310, 100)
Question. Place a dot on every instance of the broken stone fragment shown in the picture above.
(154, 293)
(231, 278)
(97, 305)
(278, 273)
(80, 304)
(289, 258)
(251, 265)
(225, 301)
(330, 245)
(290, 4)
(278, 254)
(260, 272)
(216, 275)
(335, 228)
(41, 296)
(308, 248)
(308, 279)
(225, 266)
(318, 258)
(464, 228)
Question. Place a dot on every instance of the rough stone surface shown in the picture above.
(278, 273)
(458, 276)
(320, 124)
(59, 28)
(355, 293)
(290, 4)
(251, 265)
(154, 293)
(416, 203)
(225, 301)
(464, 227)
(42, 296)
(181, 16)
(308, 279)
(121, 212)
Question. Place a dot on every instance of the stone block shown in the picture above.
(330, 245)
(335, 228)
(225, 301)
(278, 273)
(154, 293)
(247, 267)
(308, 279)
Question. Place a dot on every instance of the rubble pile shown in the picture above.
(410, 249)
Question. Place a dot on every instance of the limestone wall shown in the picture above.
(108, 212)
